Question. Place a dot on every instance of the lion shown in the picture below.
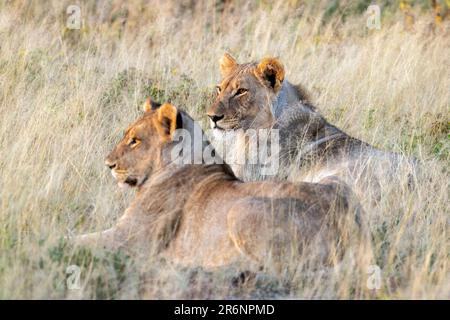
(201, 215)
(256, 96)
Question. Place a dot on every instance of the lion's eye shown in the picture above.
(241, 91)
(219, 89)
(133, 142)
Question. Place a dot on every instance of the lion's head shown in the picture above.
(246, 93)
(139, 153)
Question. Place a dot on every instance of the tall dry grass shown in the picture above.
(66, 95)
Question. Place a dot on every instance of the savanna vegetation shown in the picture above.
(66, 95)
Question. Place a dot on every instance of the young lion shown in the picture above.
(257, 96)
(202, 215)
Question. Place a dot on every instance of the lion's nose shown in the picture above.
(110, 164)
(215, 118)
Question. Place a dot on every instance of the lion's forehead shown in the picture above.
(243, 75)
(140, 127)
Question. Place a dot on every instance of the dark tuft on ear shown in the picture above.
(165, 124)
(179, 121)
(155, 105)
(166, 120)
(271, 70)
(150, 105)
(271, 77)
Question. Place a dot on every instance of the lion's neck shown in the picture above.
(189, 145)
(176, 176)
(286, 97)
(164, 198)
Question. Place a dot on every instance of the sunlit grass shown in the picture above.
(67, 95)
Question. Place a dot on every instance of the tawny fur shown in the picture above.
(307, 140)
(202, 215)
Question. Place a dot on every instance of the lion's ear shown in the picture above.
(272, 71)
(227, 64)
(166, 121)
(149, 105)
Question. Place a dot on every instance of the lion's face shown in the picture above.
(245, 94)
(138, 154)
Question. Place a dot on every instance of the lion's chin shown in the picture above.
(125, 180)
(131, 182)
(218, 133)
(123, 185)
